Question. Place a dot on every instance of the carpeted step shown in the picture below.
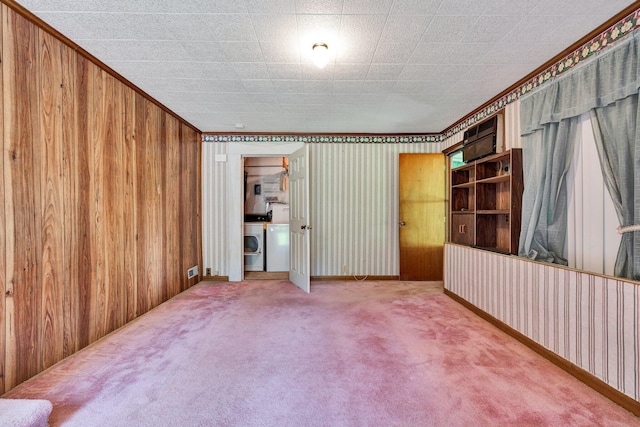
(25, 412)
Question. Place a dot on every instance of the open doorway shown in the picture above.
(266, 218)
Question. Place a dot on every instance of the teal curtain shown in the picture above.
(547, 153)
(615, 128)
(607, 87)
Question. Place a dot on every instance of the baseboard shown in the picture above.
(314, 278)
(215, 278)
(354, 278)
(266, 275)
(589, 379)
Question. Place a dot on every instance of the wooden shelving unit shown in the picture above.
(486, 202)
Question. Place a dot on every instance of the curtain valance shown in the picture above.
(603, 80)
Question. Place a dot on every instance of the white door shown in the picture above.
(299, 228)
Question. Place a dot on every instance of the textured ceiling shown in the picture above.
(396, 66)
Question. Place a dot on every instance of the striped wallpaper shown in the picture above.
(353, 201)
(214, 210)
(354, 207)
(592, 321)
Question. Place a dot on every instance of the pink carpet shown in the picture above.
(264, 353)
(24, 412)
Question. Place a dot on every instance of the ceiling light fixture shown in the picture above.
(320, 54)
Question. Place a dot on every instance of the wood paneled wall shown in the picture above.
(101, 201)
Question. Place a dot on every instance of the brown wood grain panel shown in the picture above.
(22, 199)
(485, 197)
(503, 195)
(486, 231)
(143, 303)
(51, 199)
(96, 210)
(184, 211)
(153, 203)
(106, 223)
(118, 286)
(129, 203)
(163, 195)
(190, 204)
(3, 274)
(81, 201)
(71, 204)
(503, 233)
(171, 179)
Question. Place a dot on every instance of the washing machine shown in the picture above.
(253, 246)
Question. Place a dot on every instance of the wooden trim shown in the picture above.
(354, 278)
(25, 13)
(581, 42)
(266, 275)
(454, 147)
(215, 278)
(589, 379)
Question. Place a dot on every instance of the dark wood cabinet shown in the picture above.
(463, 229)
(486, 202)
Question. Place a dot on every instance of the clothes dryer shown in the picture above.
(254, 246)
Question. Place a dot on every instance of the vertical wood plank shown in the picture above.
(117, 239)
(129, 205)
(51, 203)
(184, 230)
(22, 197)
(95, 219)
(142, 294)
(71, 203)
(189, 204)
(106, 226)
(153, 184)
(80, 201)
(171, 178)
(3, 270)
(163, 196)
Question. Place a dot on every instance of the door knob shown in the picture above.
(305, 227)
(402, 223)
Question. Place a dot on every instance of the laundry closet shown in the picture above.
(266, 214)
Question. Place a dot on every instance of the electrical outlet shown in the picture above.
(192, 272)
(344, 268)
(208, 270)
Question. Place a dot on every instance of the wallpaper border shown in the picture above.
(358, 139)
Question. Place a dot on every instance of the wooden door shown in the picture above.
(422, 216)
(299, 228)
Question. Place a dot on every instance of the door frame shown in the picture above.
(235, 195)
